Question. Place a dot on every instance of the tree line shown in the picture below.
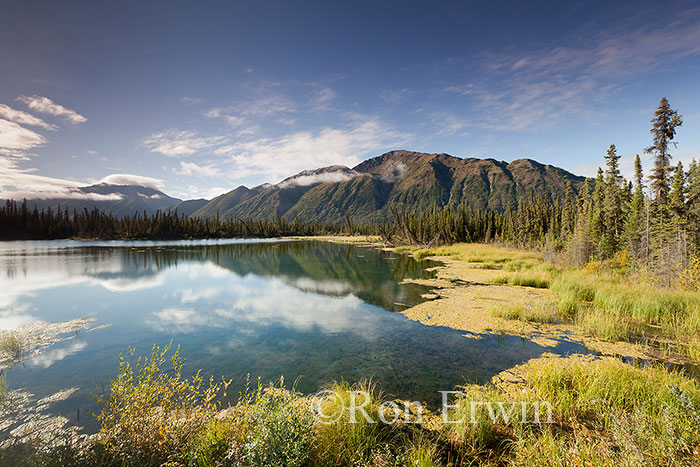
(17, 222)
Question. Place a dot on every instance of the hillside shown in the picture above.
(407, 181)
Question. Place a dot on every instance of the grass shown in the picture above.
(537, 312)
(607, 302)
(422, 253)
(604, 412)
(536, 279)
(12, 346)
(618, 308)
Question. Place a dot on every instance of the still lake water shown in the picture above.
(307, 310)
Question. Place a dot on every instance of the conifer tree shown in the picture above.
(663, 129)
(596, 222)
(612, 204)
(634, 223)
(664, 125)
(693, 203)
(568, 213)
(677, 209)
(581, 246)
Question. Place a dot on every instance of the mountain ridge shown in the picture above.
(404, 180)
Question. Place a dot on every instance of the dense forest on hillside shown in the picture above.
(610, 219)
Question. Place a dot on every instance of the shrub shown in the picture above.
(151, 416)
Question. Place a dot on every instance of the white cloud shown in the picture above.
(242, 114)
(191, 295)
(538, 90)
(23, 118)
(45, 105)
(323, 99)
(129, 179)
(190, 169)
(48, 358)
(15, 138)
(395, 96)
(190, 100)
(17, 183)
(174, 143)
(306, 180)
(306, 150)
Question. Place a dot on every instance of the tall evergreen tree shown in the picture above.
(568, 213)
(693, 203)
(663, 129)
(677, 209)
(634, 224)
(596, 223)
(612, 203)
(581, 244)
(677, 195)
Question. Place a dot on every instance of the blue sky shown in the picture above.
(199, 97)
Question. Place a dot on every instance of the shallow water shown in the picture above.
(310, 311)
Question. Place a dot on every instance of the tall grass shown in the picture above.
(537, 312)
(536, 279)
(617, 308)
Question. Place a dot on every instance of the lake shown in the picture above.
(310, 311)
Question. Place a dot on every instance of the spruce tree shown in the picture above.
(581, 246)
(664, 125)
(612, 204)
(568, 213)
(596, 222)
(693, 203)
(663, 129)
(634, 224)
(677, 209)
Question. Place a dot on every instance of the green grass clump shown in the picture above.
(536, 279)
(537, 312)
(423, 452)
(422, 253)
(153, 415)
(346, 443)
(12, 346)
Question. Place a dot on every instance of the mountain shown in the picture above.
(405, 180)
(126, 200)
(189, 206)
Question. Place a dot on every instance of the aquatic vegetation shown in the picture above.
(30, 340)
(12, 345)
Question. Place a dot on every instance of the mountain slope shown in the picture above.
(402, 180)
(188, 207)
